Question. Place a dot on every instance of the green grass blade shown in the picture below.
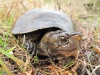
(5, 68)
(18, 61)
(9, 50)
(1, 73)
(1, 41)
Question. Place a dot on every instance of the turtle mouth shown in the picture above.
(69, 50)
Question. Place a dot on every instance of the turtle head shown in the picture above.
(59, 42)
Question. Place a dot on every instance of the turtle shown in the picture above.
(48, 33)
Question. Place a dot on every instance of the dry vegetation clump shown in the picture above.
(14, 60)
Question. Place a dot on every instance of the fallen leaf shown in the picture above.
(53, 68)
(20, 74)
(97, 49)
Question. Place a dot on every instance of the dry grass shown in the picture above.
(86, 22)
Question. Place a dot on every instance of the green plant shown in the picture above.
(36, 59)
(70, 62)
(4, 68)
(4, 42)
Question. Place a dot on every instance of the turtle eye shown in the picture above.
(62, 40)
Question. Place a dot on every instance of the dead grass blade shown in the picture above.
(18, 61)
(97, 49)
(5, 68)
(93, 72)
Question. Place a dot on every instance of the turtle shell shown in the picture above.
(37, 19)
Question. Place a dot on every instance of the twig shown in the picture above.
(93, 72)
(8, 10)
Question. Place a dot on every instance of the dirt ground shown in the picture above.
(15, 60)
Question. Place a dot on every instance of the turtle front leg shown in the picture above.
(31, 47)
